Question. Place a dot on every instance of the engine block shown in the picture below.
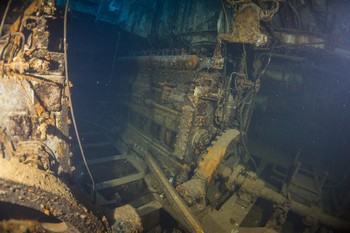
(179, 102)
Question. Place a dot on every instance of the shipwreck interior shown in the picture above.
(164, 116)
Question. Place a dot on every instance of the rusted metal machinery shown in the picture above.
(181, 115)
(189, 113)
(183, 213)
(35, 149)
(250, 183)
(187, 110)
(34, 126)
(181, 125)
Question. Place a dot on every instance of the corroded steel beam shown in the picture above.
(188, 219)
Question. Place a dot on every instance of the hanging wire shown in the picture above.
(243, 140)
(258, 76)
(242, 104)
(226, 18)
(71, 104)
(4, 17)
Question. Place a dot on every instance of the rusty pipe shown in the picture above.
(305, 211)
(252, 184)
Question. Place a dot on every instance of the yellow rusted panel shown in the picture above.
(246, 27)
(216, 153)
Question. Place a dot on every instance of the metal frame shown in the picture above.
(122, 180)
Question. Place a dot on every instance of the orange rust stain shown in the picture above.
(192, 62)
(66, 93)
(216, 153)
(33, 7)
(211, 160)
(60, 150)
(246, 29)
(46, 211)
(39, 109)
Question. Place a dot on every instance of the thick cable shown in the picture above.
(4, 17)
(70, 100)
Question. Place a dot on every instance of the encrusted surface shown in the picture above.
(28, 187)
